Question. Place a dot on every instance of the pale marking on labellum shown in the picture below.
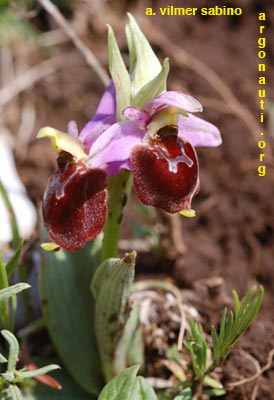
(173, 162)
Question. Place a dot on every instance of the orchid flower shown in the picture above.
(164, 163)
(75, 200)
(156, 143)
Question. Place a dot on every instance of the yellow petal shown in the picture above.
(63, 141)
(188, 213)
(50, 246)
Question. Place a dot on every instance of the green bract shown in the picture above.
(152, 88)
(146, 77)
(144, 65)
(118, 73)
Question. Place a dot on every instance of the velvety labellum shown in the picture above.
(165, 173)
(75, 203)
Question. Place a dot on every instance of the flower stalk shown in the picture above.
(119, 193)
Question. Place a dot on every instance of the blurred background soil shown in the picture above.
(230, 244)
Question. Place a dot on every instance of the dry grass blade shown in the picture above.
(169, 287)
(90, 58)
(28, 78)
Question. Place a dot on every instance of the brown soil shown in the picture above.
(232, 236)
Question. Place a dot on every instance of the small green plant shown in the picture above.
(198, 350)
(202, 360)
(236, 324)
(12, 377)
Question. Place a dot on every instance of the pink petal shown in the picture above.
(115, 144)
(94, 128)
(198, 131)
(113, 168)
(72, 129)
(107, 105)
(104, 117)
(182, 101)
(139, 117)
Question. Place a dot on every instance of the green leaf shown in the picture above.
(8, 376)
(231, 329)
(172, 352)
(3, 359)
(121, 387)
(4, 304)
(37, 372)
(197, 347)
(7, 314)
(213, 383)
(216, 345)
(13, 350)
(13, 262)
(111, 288)
(153, 87)
(144, 65)
(228, 327)
(133, 340)
(236, 302)
(12, 290)
(223, 325)
(127, 386)
(136, 351)
(70, 389)
(11, 393)
(186, 394)
(144, 390)
(11, 213)
(215, 392)
(68, 308)
(119, 74)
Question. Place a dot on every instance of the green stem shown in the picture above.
(13, 222)
(4, 283)
(4, 305)
(119, 193)
(211, 368)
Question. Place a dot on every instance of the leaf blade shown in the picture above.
(111, 311)
(65, 286)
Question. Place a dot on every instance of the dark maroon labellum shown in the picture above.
(75, 203)
(165, 173)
